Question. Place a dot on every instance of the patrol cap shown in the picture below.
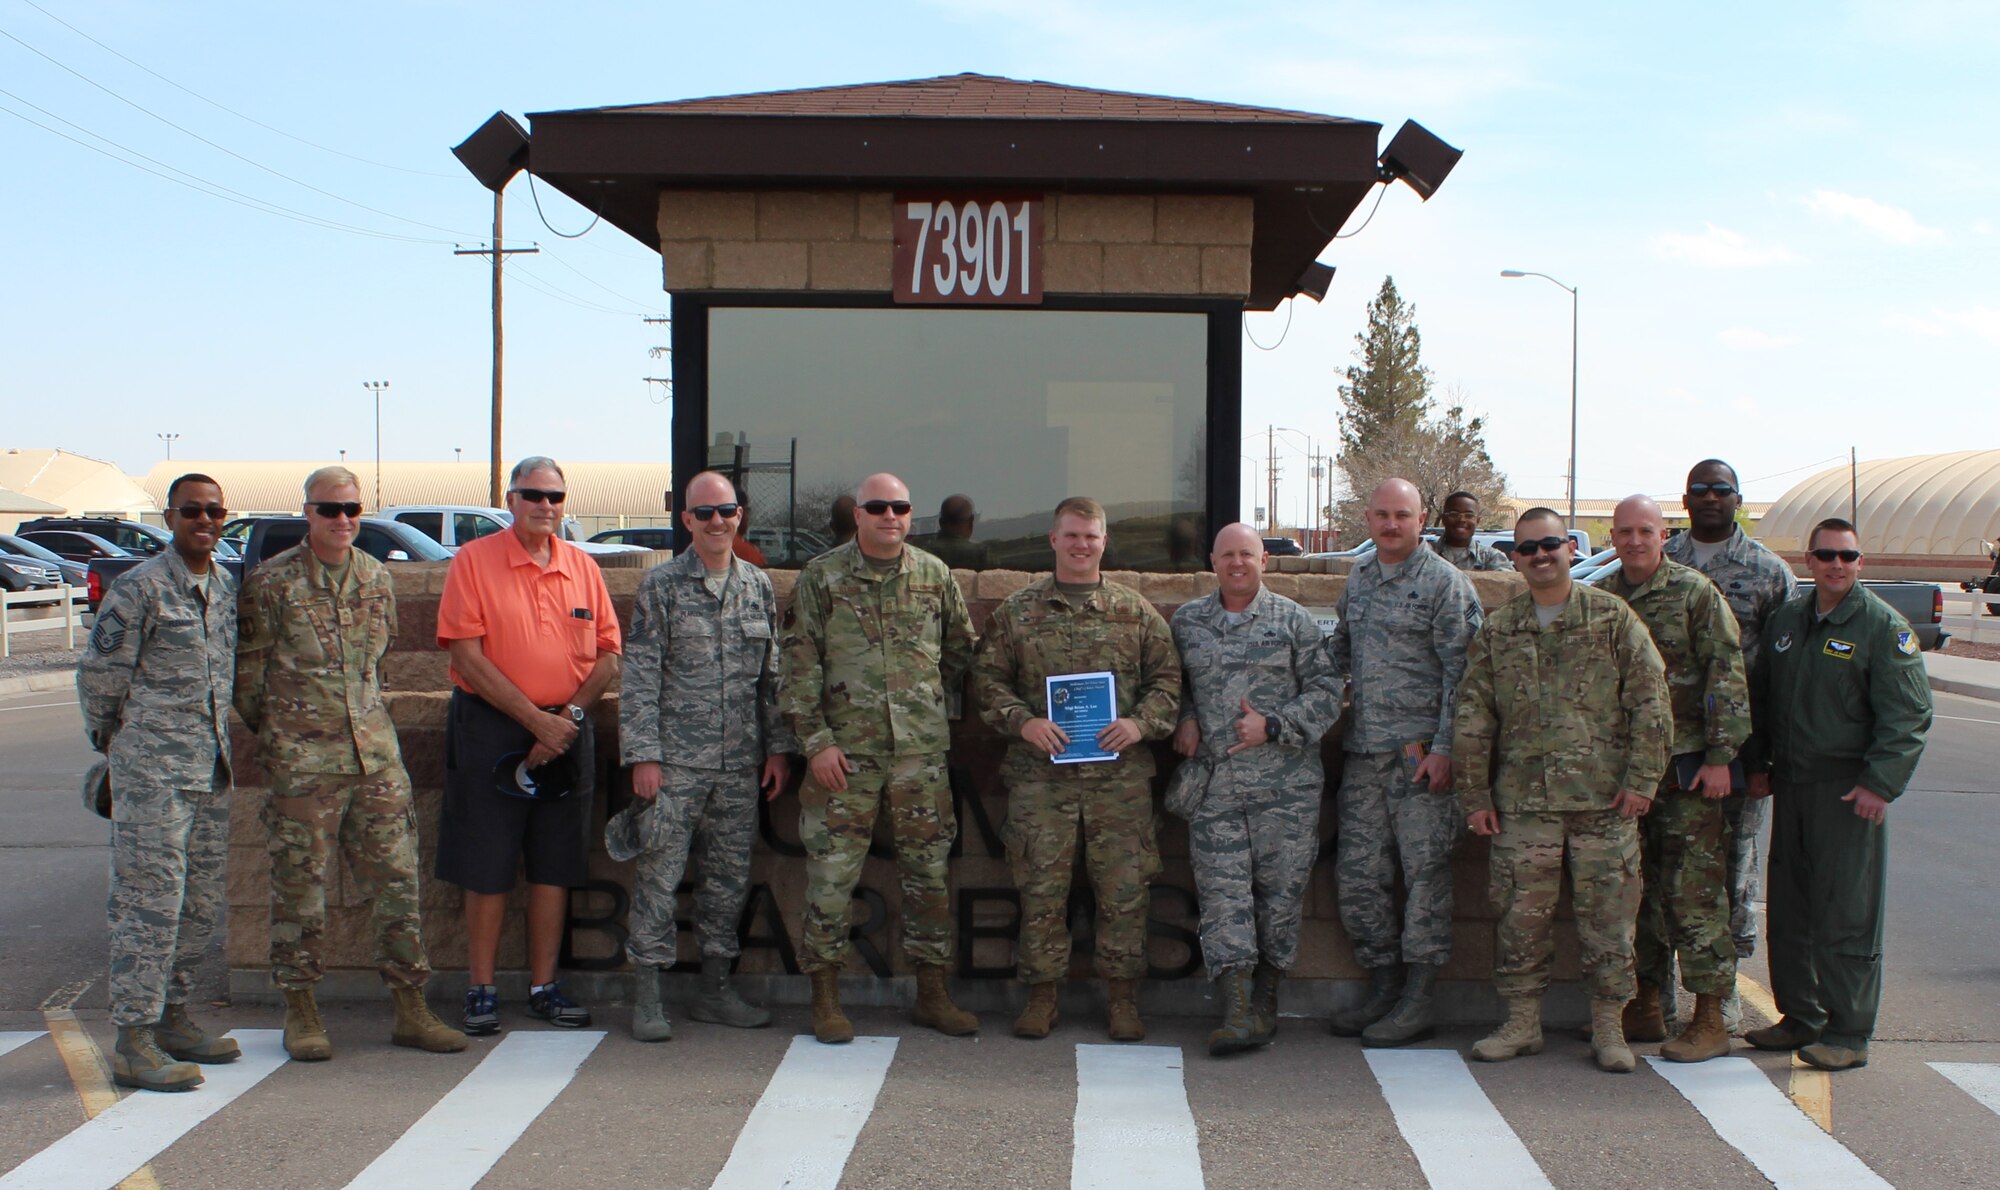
(513, 777)
(97, 788)
(624, 834)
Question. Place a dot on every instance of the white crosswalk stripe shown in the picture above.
(1981, 1080)
(477, 1121)
(1747, 1110)
(11, 1041)
(142, 1125)
(804, 1126)
(1457, 1134)
(1133, 1126)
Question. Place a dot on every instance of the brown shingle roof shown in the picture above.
(976, 96)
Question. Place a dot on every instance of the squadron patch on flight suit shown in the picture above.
(1906, 643)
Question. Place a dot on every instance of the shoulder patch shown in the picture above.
(1906, 643)
(109, 633)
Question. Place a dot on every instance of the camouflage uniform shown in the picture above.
(869, 659)
(1685, 906)
(1474, 555)
(154, 685)
(1255, 835)
(699, 697)
(1548, 736)
(1402, 638)
(1035, 634)
(308, 683)
(1755, 582)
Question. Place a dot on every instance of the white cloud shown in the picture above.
(1748, 339)
(1720, 248)
(1982, 227)
(1983, 321)
(1894, 224)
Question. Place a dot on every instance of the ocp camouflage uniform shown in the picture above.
(1255, 835)
(869, 658)
(1401, 640)
(699, 697)
(1755, 582)
(1685, 906)
(154, 685)
(1474, 555)
(1552, 723)
(309, 684)
(1034, 634)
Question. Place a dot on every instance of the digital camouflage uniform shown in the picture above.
(1755, 582)
(309, 684)
(1035, 634)
(1401, 640)
(1552, 723)
(1255, 835)
(1685, 907)
(154, 683)
(869, 658)
(699, 697)
(1841, 701)
(1475, 555)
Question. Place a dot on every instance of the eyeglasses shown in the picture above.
(539, 496)
(331, 509)
(1723, 490)
(878, 507)
(1528, 549)
(214, 512)
(1830, 555)
(706, 512)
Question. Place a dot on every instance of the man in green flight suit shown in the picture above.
(1843, 705)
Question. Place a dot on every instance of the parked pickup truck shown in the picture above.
(271, 536)
(1922, 604)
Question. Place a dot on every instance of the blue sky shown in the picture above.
(1783, 219)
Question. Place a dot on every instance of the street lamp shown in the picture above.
(1572, 378)
(169, 438)
(376, 387)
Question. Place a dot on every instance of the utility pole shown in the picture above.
(499, 252)
(1271, 480)
(376, 387)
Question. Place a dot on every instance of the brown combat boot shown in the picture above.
(305, 1036)
(1705, 1037)
(1642, 1019)
(138, 1061)
(829, 1025)
(1039, 1018)
(1520, 1033)
(186, 1041)
(1607, 1037)
(1121, 1010)
(1264, 983)
(1238, 1030)
(418, 1027)
(934, 1007)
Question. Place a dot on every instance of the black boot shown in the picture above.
(1385, 987)
(1414, 1018)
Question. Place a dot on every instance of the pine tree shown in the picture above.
(1388, 389)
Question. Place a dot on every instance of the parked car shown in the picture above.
(72, 572)
(786, 547)
(1283, 547)
(646, 537)
(75, 545)
(19, 572)
(134, 537)
(453, 525)
(269, 536)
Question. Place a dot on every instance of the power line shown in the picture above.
(567, 235)
(587, 277)
(426, 173)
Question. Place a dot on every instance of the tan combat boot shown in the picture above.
(829, 1025)
(188, 1042)
(1520, 1033)
(1121, 1010)
(138, 1061)
(1607, 1037)
(418, 1027)
(1705, 1037)
(1642, 1018)
(1238, 1030)
(935, 1009)
(305, 1036)
(1039, 1018)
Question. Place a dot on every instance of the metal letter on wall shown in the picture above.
(968, 249)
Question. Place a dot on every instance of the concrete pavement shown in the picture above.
(1968, 676)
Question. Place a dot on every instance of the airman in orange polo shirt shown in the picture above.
(534, 643)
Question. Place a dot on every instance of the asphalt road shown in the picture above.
(1309, 1111)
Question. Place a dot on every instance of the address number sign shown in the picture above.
(968, 249)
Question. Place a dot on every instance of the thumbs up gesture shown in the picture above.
(1252, 730)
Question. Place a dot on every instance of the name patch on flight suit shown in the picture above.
(1839, 648)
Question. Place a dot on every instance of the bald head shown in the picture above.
(1395, 519)
(881, 534)
(1639, 533)
(1238, 559)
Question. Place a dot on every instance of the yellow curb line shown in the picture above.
(1810, 1087)
(92, 1079)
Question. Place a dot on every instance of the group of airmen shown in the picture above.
(1638, 728)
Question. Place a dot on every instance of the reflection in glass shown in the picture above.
(1006, 410)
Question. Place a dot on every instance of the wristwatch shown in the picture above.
(575, 713)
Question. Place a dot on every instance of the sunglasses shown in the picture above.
(539, 496)
(707, 512)
(214, 512)
(1528, 549)
(1723, 490)
(1830, 555)
(878, 507)
(331, 509)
